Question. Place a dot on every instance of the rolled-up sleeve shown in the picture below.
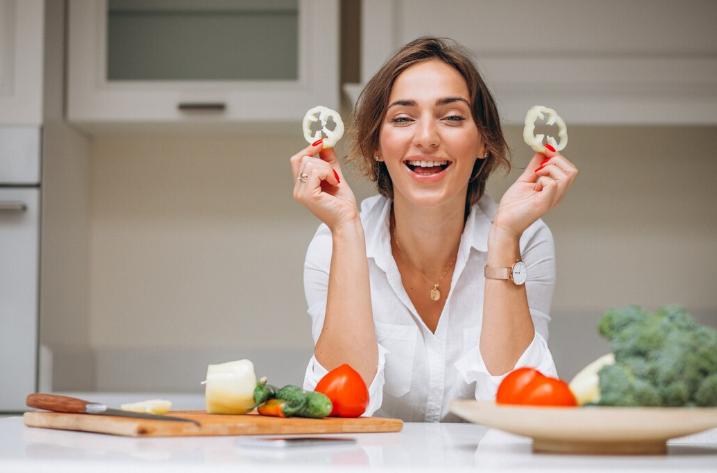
(538, 253)
(316, 285)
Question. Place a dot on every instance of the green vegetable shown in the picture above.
(263, 391)
(663, 358)
(295, 399)
(290, 401)
(318, 405)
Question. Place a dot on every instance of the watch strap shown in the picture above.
(497, 273)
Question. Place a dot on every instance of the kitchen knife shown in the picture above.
(73, 405)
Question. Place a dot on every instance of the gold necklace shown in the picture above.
(435, 293)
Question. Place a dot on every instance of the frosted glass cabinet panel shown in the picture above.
(200, 61)
(209, 40)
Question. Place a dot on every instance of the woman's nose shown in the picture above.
(427, 134)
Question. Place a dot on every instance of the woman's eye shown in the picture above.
(401, 120)
(455, 118)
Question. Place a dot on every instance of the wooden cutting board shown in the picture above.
(212, 424)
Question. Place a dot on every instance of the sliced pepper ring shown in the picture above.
(322, 122)
(536, 141)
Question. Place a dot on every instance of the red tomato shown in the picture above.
(548, 392)
(347, 391)
(530, 387)
(511, 388)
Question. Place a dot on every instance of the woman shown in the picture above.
(399, 290)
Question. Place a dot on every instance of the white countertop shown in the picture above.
(420, 446)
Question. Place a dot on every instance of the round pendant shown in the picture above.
(435, 293)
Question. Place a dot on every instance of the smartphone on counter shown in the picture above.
(287, 442)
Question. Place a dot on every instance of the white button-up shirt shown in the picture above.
(420, 372)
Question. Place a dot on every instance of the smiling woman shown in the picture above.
(430, 291)
(380, 102)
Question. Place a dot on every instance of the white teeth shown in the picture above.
(427, 164)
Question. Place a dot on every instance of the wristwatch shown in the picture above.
(518, 273)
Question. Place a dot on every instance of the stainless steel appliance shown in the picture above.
(19, 263)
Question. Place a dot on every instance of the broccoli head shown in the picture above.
(663, 358)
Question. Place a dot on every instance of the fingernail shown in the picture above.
(317, 142)
(337, 176)
(550, 147)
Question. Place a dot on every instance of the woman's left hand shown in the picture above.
(541, 187)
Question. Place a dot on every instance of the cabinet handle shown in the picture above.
(10, 206)
(202, 106)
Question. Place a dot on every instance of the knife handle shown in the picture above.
(57, 403)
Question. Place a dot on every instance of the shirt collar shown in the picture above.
(375, 213)
(479, 221)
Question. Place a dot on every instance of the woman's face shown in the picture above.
(429, 123)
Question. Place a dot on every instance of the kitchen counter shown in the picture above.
(420, 446)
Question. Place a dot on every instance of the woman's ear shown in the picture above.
(482, 148)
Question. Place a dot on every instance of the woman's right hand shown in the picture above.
(324, 193)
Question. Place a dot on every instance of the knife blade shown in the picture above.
(73, 405)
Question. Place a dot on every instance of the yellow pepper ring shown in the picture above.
(322, 122)
(536, 141)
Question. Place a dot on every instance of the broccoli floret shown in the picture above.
(638, 365)
(677, 316)
(614, 320)
(620, 387)
(663, 358)
(706, 394)
(675, 394)
(639, 338)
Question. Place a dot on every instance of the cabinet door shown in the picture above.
(189, 61)
(19, 225)
(609, 62)
(21, 39)
(19, 155)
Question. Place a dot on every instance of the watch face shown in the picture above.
(520, 273)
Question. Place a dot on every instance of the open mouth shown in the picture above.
(427, 168)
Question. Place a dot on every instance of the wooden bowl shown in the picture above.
(591, 430)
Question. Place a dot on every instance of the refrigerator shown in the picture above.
(19, 263)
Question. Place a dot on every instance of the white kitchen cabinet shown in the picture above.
(21, 36)
(19, 245)
(19, 155)
(43, 204)
(215, 62)
(607, 62)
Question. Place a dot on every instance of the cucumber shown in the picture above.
(318, 405)
(295, 399)
(291, 393)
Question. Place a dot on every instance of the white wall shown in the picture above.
(197, 247)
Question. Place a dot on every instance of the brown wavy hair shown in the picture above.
(371, 108)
